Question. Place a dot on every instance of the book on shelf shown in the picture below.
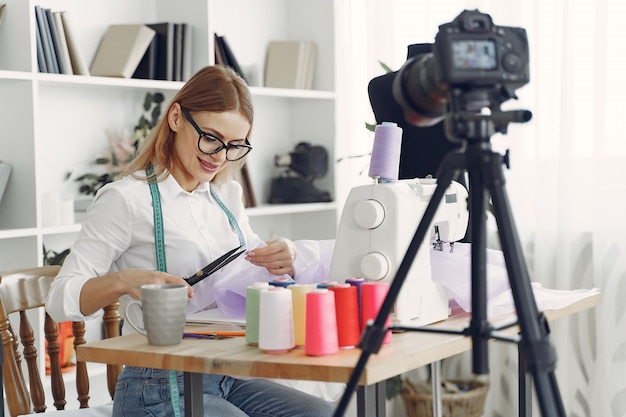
(41, 58)
(60, 44)
(178, 52)
(162, 53)
(121, 49)
(187, 52)
(220, 58)
(79, 64)
(54, 40)
(147, 67)
(169, 55)
(46, 40)
(5, 172)
(225, 56)
(243, 178)
(3, 8)
(290, 64)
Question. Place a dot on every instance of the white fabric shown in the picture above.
(227, 287)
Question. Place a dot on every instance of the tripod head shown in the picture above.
(475, 114)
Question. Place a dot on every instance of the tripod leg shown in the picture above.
(479, 325)
(539, 353)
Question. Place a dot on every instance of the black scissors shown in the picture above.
(220, 262)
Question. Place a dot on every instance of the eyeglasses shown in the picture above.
(209, 144)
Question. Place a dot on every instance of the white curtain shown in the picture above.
(566, 179)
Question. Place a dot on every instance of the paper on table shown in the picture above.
(213, 315)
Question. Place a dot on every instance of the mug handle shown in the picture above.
(128, 316)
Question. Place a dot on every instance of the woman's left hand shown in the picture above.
(277, 257)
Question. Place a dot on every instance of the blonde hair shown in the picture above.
(213, 88)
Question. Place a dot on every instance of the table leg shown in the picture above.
(194, 404)
(524, 387)
(435, 371)
(370, 400)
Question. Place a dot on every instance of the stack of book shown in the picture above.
(57, 49)
(158, 51)
(290, 64)
(168, 56)
(224, 56)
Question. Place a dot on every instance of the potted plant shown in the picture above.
(123, 149)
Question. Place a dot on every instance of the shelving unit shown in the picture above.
(53, 123)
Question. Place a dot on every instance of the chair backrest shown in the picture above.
(23, 290)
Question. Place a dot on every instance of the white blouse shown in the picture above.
(118, 233)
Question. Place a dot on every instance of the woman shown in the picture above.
(181, 181)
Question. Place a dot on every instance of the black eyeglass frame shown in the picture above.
(202, 135)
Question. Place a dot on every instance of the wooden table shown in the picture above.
(235, 357)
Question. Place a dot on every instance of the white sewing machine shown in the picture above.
(378, 223)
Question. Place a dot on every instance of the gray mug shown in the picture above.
(164, 310)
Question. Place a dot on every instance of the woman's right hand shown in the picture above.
(133, 279)
(100, 291)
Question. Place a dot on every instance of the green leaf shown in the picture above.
(370, 126)
(158, 98)
(54, 258)
(92, 177)
(147, 101)
(385, 67)
(156, 113)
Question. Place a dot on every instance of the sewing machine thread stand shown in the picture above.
(486, 178)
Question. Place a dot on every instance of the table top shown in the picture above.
(233, 356)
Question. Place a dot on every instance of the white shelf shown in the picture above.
(173, 86)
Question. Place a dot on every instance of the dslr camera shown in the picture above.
(469, 54)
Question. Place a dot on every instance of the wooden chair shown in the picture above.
(24, 290)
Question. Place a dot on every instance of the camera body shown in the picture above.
(474, 64)
(472, 51)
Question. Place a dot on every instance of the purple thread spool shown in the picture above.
(385, 161)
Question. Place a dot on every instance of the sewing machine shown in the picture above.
(377, 224)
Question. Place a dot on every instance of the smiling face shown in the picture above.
(190, 166)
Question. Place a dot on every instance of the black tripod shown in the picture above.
(486, 178)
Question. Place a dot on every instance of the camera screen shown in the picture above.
(474, 54)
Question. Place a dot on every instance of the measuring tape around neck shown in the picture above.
(161, 266)
(231, 219)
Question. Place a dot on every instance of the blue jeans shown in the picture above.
(146, 392)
